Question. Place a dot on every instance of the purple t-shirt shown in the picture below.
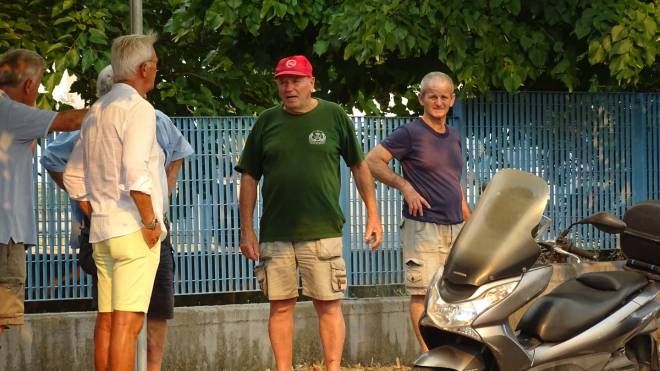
(432, 163)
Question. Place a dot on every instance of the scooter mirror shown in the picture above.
(605, 222)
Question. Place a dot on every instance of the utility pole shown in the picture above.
(141, 346)
(136, 16)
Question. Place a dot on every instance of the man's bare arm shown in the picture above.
(86, 208)
(58, 178)
(378, 159)
(143, 203)
(373, 233)
(467, 213)
(246, 201)
(172, 171)
(68, 120)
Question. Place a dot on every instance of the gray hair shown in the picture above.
(104, 81)
(18, 65)
(432, 76)
(129, 52)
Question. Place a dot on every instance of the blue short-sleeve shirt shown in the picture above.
(20, 125)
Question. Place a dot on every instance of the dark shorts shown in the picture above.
(161, 305)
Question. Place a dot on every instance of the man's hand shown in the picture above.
(373, 233)
(416, 203)
(249, 244)
(151, 235)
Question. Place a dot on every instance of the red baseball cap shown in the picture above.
(297, 65)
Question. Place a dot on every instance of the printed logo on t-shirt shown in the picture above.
(317, 137)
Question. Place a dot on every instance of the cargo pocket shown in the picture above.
(260, 274)
(414, 269)
(329, 248)
(338, 275)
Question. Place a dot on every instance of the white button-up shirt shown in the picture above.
(119, 154)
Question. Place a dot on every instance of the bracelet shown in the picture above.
(151, 225)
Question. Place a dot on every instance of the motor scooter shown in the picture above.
(597, 321)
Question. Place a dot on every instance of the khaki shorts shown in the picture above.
(12, 283)
(425, 249)
(321, 266)
(126, 271)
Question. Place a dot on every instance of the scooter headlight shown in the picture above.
(450, 315)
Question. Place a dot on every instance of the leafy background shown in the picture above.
(216, 56)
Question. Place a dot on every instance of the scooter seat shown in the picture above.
(578, 304)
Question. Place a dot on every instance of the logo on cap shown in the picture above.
(296, 65)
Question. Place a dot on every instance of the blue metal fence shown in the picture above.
(599, 152)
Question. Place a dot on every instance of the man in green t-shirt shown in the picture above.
(296, 148)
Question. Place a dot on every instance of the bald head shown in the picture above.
(432, 76)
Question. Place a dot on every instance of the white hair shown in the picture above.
(104, 81)
(129, 52)
(18, 65)
(432, 76)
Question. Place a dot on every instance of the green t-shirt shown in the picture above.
(298, 157)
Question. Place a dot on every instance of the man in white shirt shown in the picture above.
(123, 183)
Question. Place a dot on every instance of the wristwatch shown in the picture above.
(151, 225)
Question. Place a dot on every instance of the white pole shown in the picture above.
(141, 351)
(136, 16)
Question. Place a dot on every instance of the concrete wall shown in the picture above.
(233, 337)
(229, 337)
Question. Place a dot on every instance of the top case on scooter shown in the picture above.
(641, 239)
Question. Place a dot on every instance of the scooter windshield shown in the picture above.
(497, 241)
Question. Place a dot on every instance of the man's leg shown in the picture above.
(156, 335)
(123, 337)
(102, 341)
(278, 281)
(280, 331)
(416, 311)
(332, 330)
(161, 305)
(133, 274)
(12, 284)
(323, 272)
(425, 249)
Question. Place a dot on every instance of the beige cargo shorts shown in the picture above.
(425, 249)
(12, 283)
(321, 266)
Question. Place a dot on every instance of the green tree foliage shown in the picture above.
(217, 55)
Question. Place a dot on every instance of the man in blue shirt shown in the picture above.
(21, 72)
(175, 148)
(434, 206)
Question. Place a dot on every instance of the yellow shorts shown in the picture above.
(425, 249)
(126, 272)
(322, 269)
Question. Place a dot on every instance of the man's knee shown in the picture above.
(282, 306)
(327, 307)
(104, 321)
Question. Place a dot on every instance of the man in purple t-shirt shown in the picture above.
(434, 206)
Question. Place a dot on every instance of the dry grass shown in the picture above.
(397, 366)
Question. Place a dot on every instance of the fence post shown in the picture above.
(639, 173)
(458, 122)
